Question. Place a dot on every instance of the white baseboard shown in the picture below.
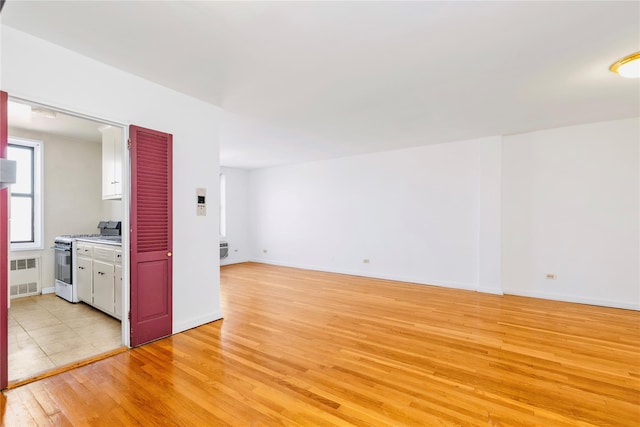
(199, 321)
(397, 278)
(50, 290)
(575, 299)
(494, 291)
(228, 261)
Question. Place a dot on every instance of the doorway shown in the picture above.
(45, 330)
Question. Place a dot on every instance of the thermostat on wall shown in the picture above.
(201, 205)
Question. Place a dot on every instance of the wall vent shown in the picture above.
(224, 250)
(24, 277)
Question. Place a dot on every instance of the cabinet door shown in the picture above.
(84, 277)
(118, 291)
(103, 295)
(111, 162)
(117, 163)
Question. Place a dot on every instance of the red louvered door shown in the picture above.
(4, 251)
(151, 228)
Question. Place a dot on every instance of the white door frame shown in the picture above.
(126, 180)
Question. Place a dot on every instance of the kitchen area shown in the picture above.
(65, 284)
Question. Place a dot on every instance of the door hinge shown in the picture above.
(129, 143)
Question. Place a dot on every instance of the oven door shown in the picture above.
(63, 264)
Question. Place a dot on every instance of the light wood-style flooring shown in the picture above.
(308, 348)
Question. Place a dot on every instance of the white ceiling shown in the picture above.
(302, 81)
(35, 118)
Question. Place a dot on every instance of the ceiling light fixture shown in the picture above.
(629, 66)
(44, 112)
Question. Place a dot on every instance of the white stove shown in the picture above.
(64, 248)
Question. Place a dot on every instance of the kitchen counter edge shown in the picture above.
(99, 241)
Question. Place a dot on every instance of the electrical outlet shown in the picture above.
(550, 276)
(264, 251)
(366, 260)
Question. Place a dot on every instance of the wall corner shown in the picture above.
(489, 215)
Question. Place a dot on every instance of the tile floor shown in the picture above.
(46, 331)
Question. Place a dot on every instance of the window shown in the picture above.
(26, 195)
(223, 208)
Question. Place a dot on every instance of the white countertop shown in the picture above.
(106, 240)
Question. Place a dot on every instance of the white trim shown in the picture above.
(199, 321)
(575, 299)
(228, 261)
(48, 290)
(404, 279)
(38, 195)
(126, 185)
(126, 259)
(492, 291)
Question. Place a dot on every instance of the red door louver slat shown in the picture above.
(152, 171)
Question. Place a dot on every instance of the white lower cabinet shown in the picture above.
(103, 283)
(85, 279)
(100, 277)
(118, 291)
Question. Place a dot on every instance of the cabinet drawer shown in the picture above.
(118, 254)
(83, 249)
(102, 253)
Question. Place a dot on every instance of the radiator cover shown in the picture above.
(224, 250)
(24, 277)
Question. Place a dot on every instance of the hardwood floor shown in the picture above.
(306, 348)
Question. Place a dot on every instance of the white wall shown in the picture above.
(237, 208)
(72, 192)
(412, 213)
(36, 70)
(571, 209)
(495, 214)
(111, 210)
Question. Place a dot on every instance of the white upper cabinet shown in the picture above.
(111, 162)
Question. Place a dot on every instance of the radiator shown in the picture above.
(224, 250)
(24, 277)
